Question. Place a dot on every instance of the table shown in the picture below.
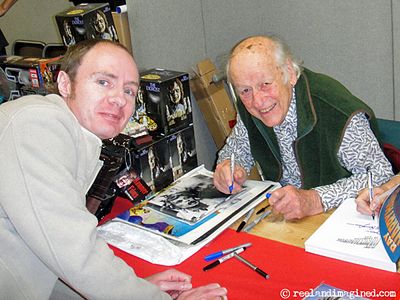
(277, 248)
(292, 233)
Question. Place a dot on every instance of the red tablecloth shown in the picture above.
(291, 270)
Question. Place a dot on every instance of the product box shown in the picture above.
(152, 162)
(182, 148)
(163, 102)
(86, 21)
(21, 76)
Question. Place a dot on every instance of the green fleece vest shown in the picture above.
(324, 108)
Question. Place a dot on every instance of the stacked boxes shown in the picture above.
(163, 102)
(21, 76)
(164, 108)
(165, 159)
(86, 21)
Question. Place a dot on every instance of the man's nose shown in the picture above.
(258, 98)
(118, 98)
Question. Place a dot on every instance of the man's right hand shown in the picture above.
(223, 177)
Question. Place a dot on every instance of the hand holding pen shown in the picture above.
(229, 176)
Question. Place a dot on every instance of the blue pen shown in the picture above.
(223, 252)
(264, 208)
(232, 170)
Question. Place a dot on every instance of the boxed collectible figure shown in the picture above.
(182, 148)
(117, 177)
(153, 164)
(86, 21)
(21, 76)
(167, 107)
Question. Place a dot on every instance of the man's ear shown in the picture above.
(64, 84)
(292, 77)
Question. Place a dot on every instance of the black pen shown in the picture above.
(249, 264)
(222, 259)
(245, 220)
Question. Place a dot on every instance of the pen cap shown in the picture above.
(213, 256)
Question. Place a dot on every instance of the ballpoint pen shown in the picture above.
(222, 259)
(249, 264)
(370, 189)
(226, 251)
(265, 207)
(232, 170)
(256, 221)
(245, 220)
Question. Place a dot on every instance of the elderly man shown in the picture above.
(304, 129)
(50, 147)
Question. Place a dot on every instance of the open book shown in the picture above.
(350, 236)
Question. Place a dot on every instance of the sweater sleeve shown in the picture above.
(43, 195)
(358, 151)
(238, 143)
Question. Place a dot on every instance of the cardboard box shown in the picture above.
(163, 102)
(182, 148)
(86, 21)
(214, 102)
(122, 26)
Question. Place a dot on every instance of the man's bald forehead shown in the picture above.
(254, 44)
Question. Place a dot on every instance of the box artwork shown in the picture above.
(163, 102)
(182, 148)
(21, 76)
(153, 164)
(86, 21)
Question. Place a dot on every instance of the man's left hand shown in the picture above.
(294, 203)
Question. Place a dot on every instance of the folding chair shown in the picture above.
(28, 48)
(53, 50)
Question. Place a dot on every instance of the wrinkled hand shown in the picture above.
(171, 281)
(211, 291)
(362, 201)
(294, 203)
(223, 177)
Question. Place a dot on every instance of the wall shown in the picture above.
(350, 40)
(355, 41)
(33, 20)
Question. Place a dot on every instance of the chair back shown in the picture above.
(28, 48)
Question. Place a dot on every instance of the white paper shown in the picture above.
(350, 236)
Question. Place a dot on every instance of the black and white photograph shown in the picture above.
(192, 198)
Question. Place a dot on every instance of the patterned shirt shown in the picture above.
(358, 151)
